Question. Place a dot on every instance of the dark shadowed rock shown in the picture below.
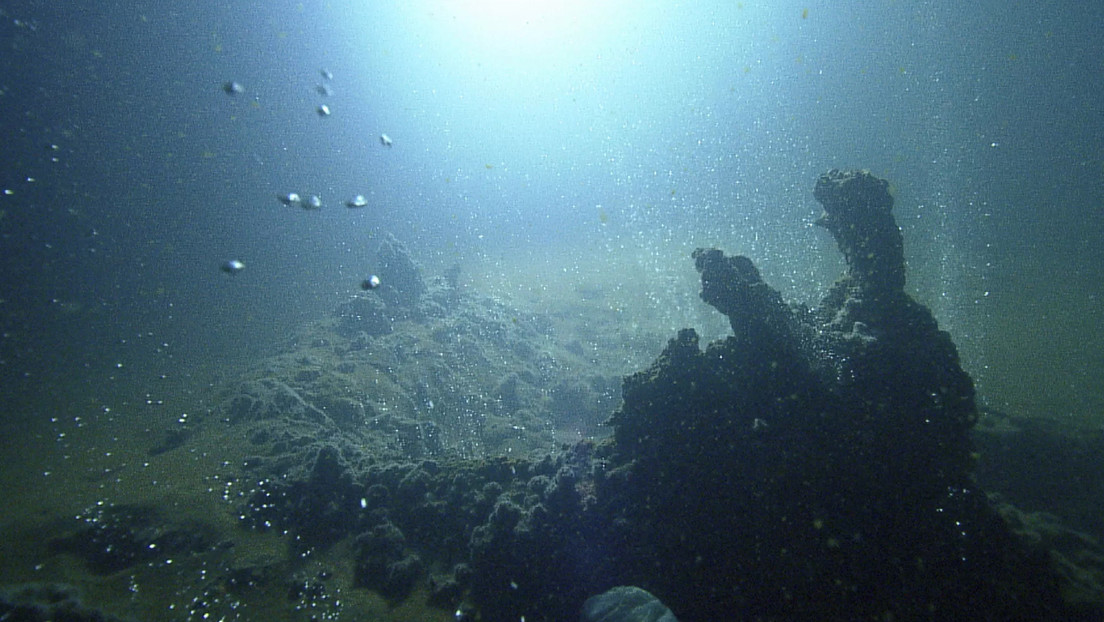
(794, 466)
(47, 602)
(857, 212)
(401, 280)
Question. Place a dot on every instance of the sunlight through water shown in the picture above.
(526, 32)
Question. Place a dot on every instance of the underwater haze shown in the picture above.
(561, 159)
(581, 141)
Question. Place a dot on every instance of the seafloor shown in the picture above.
(432, 453)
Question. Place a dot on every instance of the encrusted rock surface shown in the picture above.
(817, 464)
(857, 212)
(798, 465)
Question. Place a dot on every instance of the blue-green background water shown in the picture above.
(582, 145)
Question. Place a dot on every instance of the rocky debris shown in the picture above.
(410, 520)
(269, 398)
(402, 294)
(1077, 556)
(582, 402)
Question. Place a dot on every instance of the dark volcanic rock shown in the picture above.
(538, 554)
(321, 507)
(383, 563)
(814, 464)
(857, 213)
(733, 286)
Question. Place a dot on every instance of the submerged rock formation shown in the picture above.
(857, 208)
(401, 278)
(814, 465)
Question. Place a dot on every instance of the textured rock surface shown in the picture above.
(816, 464)
(794, 467)
(857, 208)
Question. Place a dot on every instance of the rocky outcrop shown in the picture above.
(857, 212)
(816, 464)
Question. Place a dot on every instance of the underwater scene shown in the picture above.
(504, 311)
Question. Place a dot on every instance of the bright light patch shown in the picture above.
(527, 27)
(522, 18)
